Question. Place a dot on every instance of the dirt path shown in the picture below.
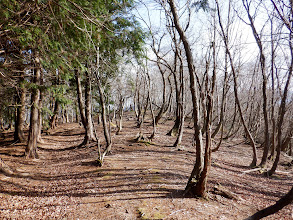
(136, 181)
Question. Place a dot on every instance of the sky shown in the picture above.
(241, 36)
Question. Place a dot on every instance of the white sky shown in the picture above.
(242, 42)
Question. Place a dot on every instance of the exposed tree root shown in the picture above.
(8, 171)
(222, 191)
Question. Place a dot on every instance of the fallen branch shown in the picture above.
(220, 190)
(252, 170)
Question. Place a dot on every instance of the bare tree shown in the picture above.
(247, 132)
(282, 108)
(197, 182)
(262, 61)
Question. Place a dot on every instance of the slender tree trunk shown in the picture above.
(141, 123)
(201, 185)
(221, 139)
(20, 119)
(79, 98)
(273, 140)
(181, 122)
(180, 105)
(54, 118)
(40, 107)
(16, 116)
(89, 133)
(31, 149)
(143, 111)
(153, 118)
(282, 111)
(104, 118)
(162, 108)
(175, 128)
(85, 109)
(272, 145)
(135, 101)
(281, 114)
(224, 94)
(120, 113)
(192, 184)
(247, 132)
(228, 134)
(264, 85)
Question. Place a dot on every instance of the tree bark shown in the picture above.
(89, 130)
(54, 118)
(175, 129)
(104, 118)
(85, 107)
(180, 104)
(31, 149)
(192, 186)
(40, 107)
(20, 115)
(120, 114)
(79, 98)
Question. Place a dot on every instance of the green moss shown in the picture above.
(144, 214)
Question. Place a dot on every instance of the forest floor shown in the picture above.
(136, 181)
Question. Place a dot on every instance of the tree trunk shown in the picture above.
(221, 139)
(31, 149)
(79, 98)
(247, 132)
(200, 187)
(120, 113)
(192, 187)
(54, 118)
(273, 144)
(282, 111)
(89, 130)
(288, 138)
(224, 93)
(104, 119)
(273, 140)
(264, 85)
(40, 121)
(174, 130)
(162, 108)
(180, 105)
(20, 116)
